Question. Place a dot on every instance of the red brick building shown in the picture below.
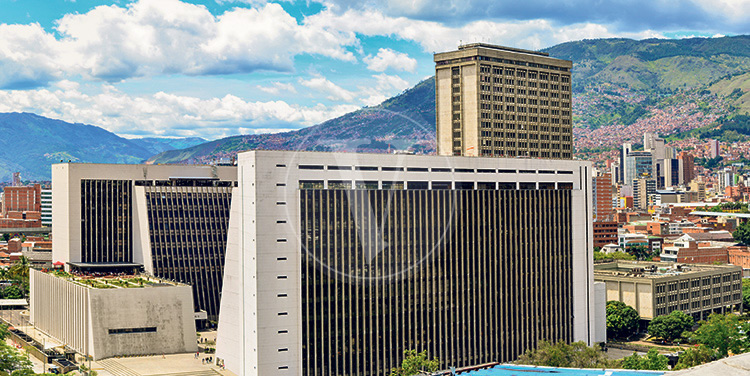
(602, 196)
(739, 255)
(22, 199)
(605, 232)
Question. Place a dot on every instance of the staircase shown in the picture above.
(114, 367)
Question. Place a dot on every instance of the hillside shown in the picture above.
(30, 143)
(621, 88)
(400, 123)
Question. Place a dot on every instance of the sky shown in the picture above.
(216, 68)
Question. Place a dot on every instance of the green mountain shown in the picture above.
(619, 86)
(654, 64)
(31, 143)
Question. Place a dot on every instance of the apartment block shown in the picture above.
(503, 102)
(338, 263)
(171, 219)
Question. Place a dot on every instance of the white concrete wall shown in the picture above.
(60, 309)
(80, 317)
(600, 312)
(169, 309)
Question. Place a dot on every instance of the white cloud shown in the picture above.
(334, 92)
(164, 114)
(277, 88)
(152, 37)
(388, 58)
(435, 37)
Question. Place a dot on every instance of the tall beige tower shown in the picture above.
(503, 102)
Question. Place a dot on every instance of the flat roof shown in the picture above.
(500, 48)
(720, 214)
(652, 269)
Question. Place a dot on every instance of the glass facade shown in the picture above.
(471, 276)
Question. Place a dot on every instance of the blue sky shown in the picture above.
(216, 68)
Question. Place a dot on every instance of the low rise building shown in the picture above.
(113, 316)
(686, 249)
(658, 288)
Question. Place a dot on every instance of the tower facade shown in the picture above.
(503, 102)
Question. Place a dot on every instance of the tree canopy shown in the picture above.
(742, 233)
(651, 361)
(725, 333)
(415, 363)
(622, 319)
(561, 354)
(695, 356)
(671, 326)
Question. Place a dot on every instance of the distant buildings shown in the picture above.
(713, 148)
(22, 207)
(656, 289)
(337, 263)
(502, 101)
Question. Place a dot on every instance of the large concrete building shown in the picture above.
(501, 101)
(338, 263)
(172, 219)
(658, 288)
(110, 317)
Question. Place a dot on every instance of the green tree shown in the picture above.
(651, 361)
(11, 292)
(561, 354)
(742, 233)
(6, 237)
(746, 294)
(695, 356)
(671, 326)
(416, 363)
(724, 333)
(622, 319)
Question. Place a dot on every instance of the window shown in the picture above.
(150, 329)
(311, 167)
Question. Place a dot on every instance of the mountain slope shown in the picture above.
(654, 64)
(30, 143)
(156, 145)
(400, 123)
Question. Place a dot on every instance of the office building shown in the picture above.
(46, 197)
(643, 190)
(22, 199)
(338, 263)
(713, 148)
(688, 166)
(106, 317)
(639, 164)
(658, 288)
(171, 219)
(624, 151)
(503, 102)
(603, 197)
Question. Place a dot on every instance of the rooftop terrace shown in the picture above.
(114, 281)
(648, 269)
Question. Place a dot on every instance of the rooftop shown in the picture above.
(501, 48)
(113, 281)
(651, 269)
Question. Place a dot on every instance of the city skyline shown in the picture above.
(199, 70)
